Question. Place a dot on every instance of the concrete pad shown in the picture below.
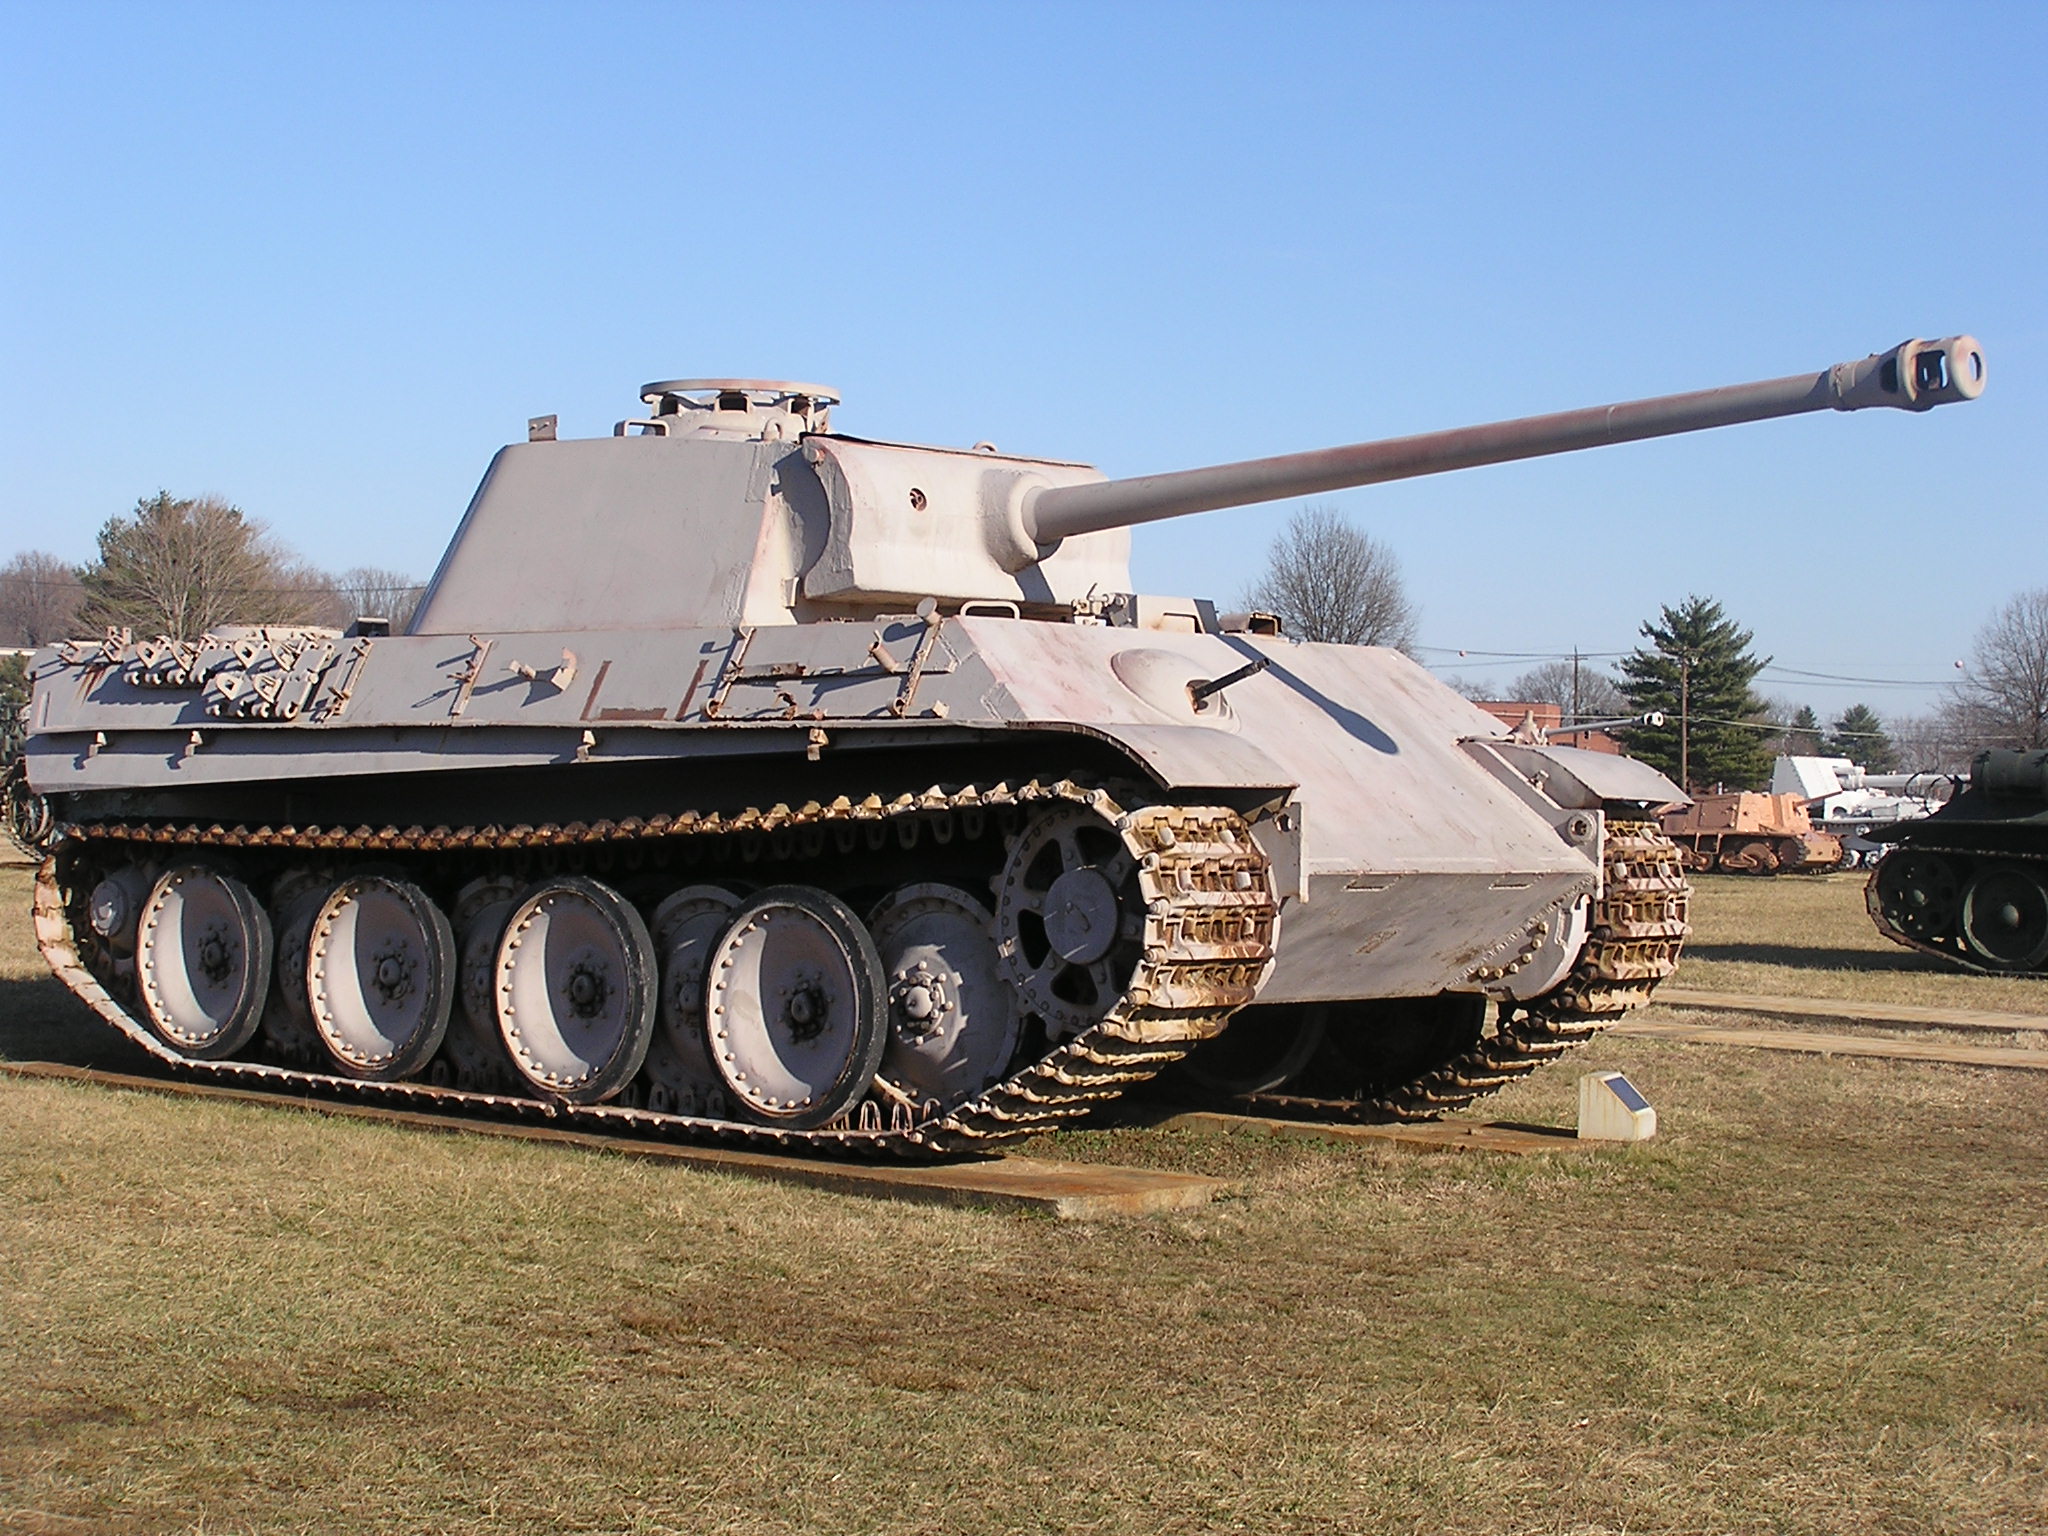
(1814, 1043)
(1843, 1010)
(1422, 1136)
(1071, 1191)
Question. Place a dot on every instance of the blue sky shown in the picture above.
(325, 260)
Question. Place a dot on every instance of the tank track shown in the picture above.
(1638, 927)
(1207, 943)
(1955, 951)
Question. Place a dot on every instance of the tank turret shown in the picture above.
(741, 780)
(788, 522)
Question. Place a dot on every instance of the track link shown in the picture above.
(1638, 927)
(1207, 944)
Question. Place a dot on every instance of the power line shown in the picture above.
(1775, 672)
(368, 586)
(1462, 652)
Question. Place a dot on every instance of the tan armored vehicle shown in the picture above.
(1751, 834)
(739, 779)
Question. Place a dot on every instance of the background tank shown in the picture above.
(1750, 834)
(1970, 882)
(741, 779)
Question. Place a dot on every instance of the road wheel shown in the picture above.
(575, 989)
(796, 994)
(202, 962)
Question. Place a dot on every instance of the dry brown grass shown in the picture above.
(1809, 936)
(1818, 1303)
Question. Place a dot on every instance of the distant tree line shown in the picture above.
(182, 565)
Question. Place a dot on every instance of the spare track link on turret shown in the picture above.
(1638, 927)
(1207, 943)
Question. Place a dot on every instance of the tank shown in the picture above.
(1750, 834)
(741, 780)
(30, 825)
(1969, 883)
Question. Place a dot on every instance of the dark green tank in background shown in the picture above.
(1970, 882)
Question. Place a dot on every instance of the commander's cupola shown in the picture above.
(764, 410)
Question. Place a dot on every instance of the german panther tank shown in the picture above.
(739, 779)
(1969, 883)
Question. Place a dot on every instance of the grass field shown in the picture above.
(1817, 1303)
(1809, 936)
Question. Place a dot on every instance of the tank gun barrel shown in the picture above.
(1915, 375)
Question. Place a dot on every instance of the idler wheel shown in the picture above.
(575, 989)
(1068, 920)
(202, 961)
(796, 994)
(380, 976)
(953, 1018)
(1917, 893)
(2005, 917)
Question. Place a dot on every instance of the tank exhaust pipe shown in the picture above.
(1913, 376)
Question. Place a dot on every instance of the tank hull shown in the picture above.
(1751, 834)
(1969, 884)
(745, 757)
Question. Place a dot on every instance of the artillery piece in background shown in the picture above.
(1969, 883)
(1853, 803)
(736, 779)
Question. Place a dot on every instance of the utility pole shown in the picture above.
(1684, 720)
(1576, 716)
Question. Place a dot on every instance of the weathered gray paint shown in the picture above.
(732, 582)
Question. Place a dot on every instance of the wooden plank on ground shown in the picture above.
(1848, 1011)
(1426, 1136)
(1814, 1042)
(1074, 1191)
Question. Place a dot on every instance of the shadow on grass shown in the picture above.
(1805, 957)
(41, 1021)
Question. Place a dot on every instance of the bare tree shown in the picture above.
(40, 597)
(1328, 581)
(1581, 692)
(1941, 741)
(369, 591)
(183, 565)
(2006, 698)
(1795, 729)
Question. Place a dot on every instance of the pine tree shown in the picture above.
(1697, 672)
(1860, 736)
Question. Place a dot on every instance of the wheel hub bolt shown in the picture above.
(213, 958)
(586, 992)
